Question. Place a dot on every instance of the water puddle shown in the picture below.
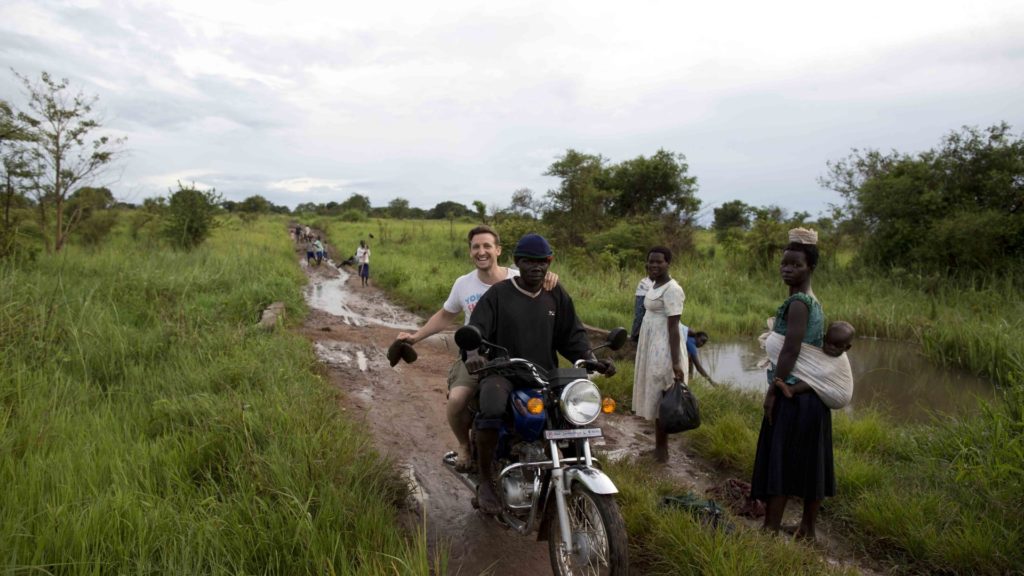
(331, 295)
(890, 375)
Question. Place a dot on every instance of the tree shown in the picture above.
(448, 210)
(60, 122)
(15, 161)
(951, 209)
(255, 204)
(190, 216)
(656, 185)
(577, 204)
(480, 210)
(356, 202)
(523, 203)
(398, 208)
(732, 214)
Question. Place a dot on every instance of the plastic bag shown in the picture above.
(679, 410)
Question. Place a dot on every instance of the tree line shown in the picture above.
(952, 209)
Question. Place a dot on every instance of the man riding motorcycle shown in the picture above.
(531, 323)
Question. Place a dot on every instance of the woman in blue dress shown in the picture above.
(794, 448)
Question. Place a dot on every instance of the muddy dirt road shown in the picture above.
(351, 327)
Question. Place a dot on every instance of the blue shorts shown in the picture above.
(364, 270)
(309, 255)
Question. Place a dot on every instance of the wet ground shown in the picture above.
(351, 327)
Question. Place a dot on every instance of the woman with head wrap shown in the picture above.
(794, 447)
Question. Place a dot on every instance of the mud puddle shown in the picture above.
(403, 407)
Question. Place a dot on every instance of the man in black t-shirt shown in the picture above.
(531, 323)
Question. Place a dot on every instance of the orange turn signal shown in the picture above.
(535, 406)
(608, 405)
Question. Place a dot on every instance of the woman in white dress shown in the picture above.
(661, 350)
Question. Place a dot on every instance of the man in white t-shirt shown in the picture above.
(484, 249)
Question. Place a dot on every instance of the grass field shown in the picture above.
(147, 426)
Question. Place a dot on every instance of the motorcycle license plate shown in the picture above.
(572, 434)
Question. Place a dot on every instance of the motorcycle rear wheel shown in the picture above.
(598, 534)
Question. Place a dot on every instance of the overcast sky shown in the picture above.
(432, 101)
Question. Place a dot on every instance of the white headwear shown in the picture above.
(803, 236)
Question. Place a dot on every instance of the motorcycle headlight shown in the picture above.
(580, 402)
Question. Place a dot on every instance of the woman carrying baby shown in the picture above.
(794, 447)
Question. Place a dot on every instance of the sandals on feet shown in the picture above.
(463, 462)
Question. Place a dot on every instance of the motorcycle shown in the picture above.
(546, 477)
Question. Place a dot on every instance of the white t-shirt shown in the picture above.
(645, 284)
(363, 255)
(467, 291)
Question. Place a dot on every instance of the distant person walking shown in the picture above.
(363, 260)
(319, 250)
(310, 250)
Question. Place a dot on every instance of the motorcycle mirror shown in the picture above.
(617, 338)
(468, 337)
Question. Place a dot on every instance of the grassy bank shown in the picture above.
(943, 497)
(147, 425)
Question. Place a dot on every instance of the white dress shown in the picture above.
(653, 373)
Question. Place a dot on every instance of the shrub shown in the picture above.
(353, 215)
(94, 229)
(190, 216)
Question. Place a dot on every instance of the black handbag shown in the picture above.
(679, 410)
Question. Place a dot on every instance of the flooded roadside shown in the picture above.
(890, 375)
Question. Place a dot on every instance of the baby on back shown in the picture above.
(838, 339)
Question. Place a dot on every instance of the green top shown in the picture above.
(815, 325)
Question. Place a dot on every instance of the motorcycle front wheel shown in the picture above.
(598, 536)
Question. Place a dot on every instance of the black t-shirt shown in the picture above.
(532, 328)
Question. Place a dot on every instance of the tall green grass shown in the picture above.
(147, 425)
(944, 497)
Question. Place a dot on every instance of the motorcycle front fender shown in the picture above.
(592, 479)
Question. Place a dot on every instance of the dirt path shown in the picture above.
(351, 327)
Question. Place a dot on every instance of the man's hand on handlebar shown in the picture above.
(606, 367)
(474, 361)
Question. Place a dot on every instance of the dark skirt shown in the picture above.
(794, 454)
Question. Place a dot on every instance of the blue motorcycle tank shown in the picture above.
(529, 426)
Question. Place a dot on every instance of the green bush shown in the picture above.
(352, 215)
(94, 229)
(190, 216)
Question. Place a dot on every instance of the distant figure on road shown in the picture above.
(319, 250)
(363, 259)
(310, 251)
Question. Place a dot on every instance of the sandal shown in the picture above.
(464, 460)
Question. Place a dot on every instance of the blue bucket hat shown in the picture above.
(533, 246)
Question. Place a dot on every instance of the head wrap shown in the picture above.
(533, 246)
(803, 236)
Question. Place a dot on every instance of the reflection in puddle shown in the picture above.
(890, 375)
(332, 296)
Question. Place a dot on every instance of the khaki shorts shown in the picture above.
(459, 376)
